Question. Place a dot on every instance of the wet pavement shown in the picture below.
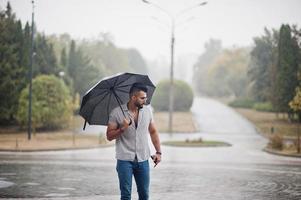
(240, 172)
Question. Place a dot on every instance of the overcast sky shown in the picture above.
(133, 23)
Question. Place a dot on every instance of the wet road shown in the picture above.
(242, 171)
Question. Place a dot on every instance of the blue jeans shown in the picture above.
(140, 170)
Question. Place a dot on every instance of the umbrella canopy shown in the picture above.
(107, 94)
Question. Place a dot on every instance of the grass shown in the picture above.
(280, 131)
(11, 138)
(49, 141)
(183, 122)
(196, 143)
(266, 121)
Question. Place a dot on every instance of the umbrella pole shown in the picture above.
(119, 102)
(85, 125)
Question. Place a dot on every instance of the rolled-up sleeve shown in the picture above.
(151, 115)
(113, 117)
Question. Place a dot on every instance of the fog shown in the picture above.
(132, 23)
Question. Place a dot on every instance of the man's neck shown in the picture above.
(132, 107)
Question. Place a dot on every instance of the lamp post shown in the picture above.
(172, 46)
(61, 74)
(30, 73)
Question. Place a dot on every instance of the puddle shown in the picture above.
(56, 195)
(32, 184)
(62, 188)
(8, 174)
(4, 184)
(72, 179)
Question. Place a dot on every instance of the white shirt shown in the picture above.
(133, 141)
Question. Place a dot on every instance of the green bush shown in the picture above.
(266, 106)
(51, 104)
(183, 96)
(242, 103)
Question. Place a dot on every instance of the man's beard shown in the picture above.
(139, 106)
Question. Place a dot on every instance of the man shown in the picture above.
(132, 146)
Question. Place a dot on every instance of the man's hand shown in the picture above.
(114, 132)
(156, 158)
(125, 124)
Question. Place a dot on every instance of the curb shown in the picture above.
(279, 153)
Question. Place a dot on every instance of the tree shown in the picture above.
(212, 49)
(63, 59)
(296, 34)
(59, 43)
(295, 104)
(63, 68)
(12, 64)
(287, 70)
(26, 45)
(227, 75)
(45, 61)
(105, 56)
(80, 69)
(262, 60)
(136, 61)
(71, 67)
(51, 103)
(183, 96)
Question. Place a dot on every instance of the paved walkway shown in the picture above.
(240, 172)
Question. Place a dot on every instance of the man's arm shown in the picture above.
(155, 140)
(114, 132)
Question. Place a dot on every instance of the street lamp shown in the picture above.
(61, 74)
(30, 72)
(172, 44)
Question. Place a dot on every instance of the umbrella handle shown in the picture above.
(85, 125)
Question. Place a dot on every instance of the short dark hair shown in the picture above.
(136, 87)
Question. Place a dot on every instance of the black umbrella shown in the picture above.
(109, 93)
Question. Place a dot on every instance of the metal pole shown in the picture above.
(171, 89)
(30, 73)
(172, 44)
(298, 138)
